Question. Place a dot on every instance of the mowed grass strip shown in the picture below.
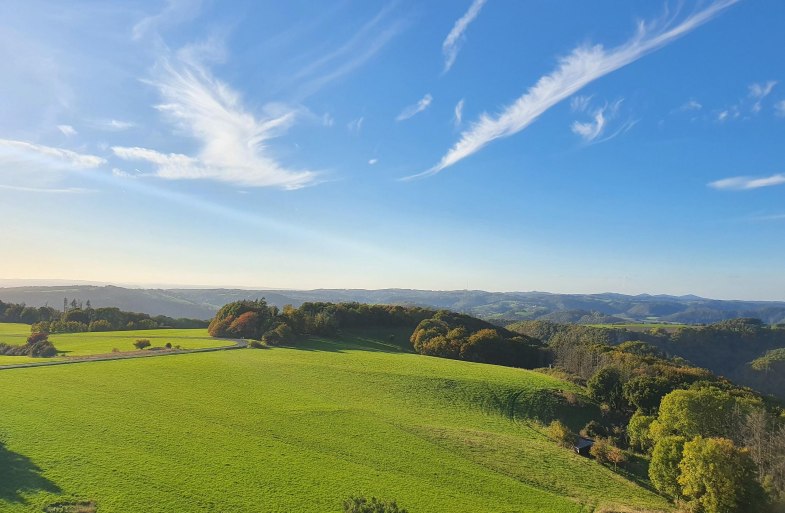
(287, 430)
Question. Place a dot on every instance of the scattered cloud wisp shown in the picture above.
(53, 157)
(452, 43)
(581, 67)
(413, 110)
(744, 183)
(233, 141)
(458, 118)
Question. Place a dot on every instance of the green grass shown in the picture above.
(86, 344)
(642, 326)
(290, 430)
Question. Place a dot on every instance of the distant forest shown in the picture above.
(77, 317)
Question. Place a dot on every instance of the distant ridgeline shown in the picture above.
(744, 350)
(77, 318)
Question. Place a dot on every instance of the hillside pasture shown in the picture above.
(293, 430)
(71, 345)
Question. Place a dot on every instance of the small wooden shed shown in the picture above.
(583, 445)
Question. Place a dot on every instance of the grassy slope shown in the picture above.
(287, 430)
(83, 344)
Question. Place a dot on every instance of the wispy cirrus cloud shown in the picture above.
(47, 190)
(113, 125)
(67, 130)
(355, 126)
(413, 110)
(744, 183)
(175, 12)
(779, 108)
(458, 113)
(356, 51)
(234, 142)
(690, 105)
(581, 67)
(602, 118)
(48, 156)
(759, 91)
(452, 43)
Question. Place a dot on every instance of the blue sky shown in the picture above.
(565, 146)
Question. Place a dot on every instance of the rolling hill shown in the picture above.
(295, 430)
(498, 306)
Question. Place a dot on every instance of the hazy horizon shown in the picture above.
(43, 282)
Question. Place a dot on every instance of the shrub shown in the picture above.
(168, 345)
(142, 343)
(560, 433)
(362, 505)
(594, 430)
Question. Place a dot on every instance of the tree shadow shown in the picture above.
(347, 342)
(18, 475)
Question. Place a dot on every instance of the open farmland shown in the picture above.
(292, 430)
(72, 345)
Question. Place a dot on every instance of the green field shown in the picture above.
(86, 344)
(290, 430)
(642, 326)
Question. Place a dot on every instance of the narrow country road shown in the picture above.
(238, 344)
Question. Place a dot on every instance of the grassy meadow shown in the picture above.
(292, 430)
(86, 344)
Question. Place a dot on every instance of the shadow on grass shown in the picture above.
(18, 475)
(354, 341)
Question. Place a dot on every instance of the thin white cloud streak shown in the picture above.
(772, 217)
(234, 143)
(373, 162)
(744, 183)
(760, 91)
(356, 125)
(67, 130)
(114, 125)
(580, 103)
(452, 43)
(779, 108)
(592, 130)
(175, 12)
(691, 105)
(360, 48)
(54, 157)
(458, 113)
(413, 110)
(581, 67)
(46, 190)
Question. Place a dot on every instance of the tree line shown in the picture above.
(715, 447)
(436, 333)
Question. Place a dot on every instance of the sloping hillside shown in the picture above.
(295, 430)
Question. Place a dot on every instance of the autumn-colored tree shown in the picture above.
(664, 467)
(560, 433)
(718, 477)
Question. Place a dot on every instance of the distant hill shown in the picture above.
(495, 306)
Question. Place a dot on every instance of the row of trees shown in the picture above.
(259, 321)
(76, 320)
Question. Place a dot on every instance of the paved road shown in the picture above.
(238, 344)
